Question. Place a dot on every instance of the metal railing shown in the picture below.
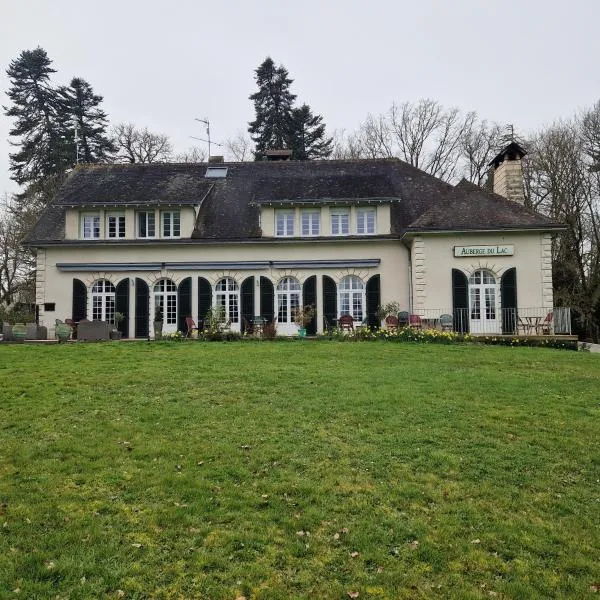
(505, 321)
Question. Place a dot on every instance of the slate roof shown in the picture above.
(229, 207)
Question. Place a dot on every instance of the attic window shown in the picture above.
(216, 172)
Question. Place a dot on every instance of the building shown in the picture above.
(261, 238)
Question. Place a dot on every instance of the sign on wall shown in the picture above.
(471, 251)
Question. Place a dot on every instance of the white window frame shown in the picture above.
(336, 215)
(103, 299)
(95, 225)
(165, 298)
(312, 219)
(172, 232)
(147, 214)
(288, 297)
(362, 221)
(352, 298)
(288, 222)
(119, 218)
(227, 295)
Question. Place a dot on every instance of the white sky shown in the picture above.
(526, 62)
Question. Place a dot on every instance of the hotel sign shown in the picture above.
(471, 251)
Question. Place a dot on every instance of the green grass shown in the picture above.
(200, 470)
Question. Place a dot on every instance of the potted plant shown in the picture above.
(303, 315)
(115, 334)
(387, 310)
(19, 332)
(158, 323)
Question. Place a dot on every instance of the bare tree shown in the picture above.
(347, 147)
(140, 145)
(479, 145)
(239, 147)
(191, 155)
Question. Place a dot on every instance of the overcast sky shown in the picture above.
(526, 62)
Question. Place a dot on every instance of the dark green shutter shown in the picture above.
(460, 301)
(184, 303)
(247, 299)
(142, 308)
(267, 299)
(122, 305)
(79, 300)
(329, 301)
(204, 300)
(309, 297)
(508, 298)
(373, 300)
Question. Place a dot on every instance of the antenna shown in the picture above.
(207, 123)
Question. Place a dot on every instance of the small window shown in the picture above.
(90, 226)
(49, 306)
(115, 225)
(216, 172)
(340, 221)
(284, 223)
(171, 224)
(146, 224)
(311, 222)
(365, 221)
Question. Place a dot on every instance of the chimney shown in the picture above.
(283, 154)
(215, 159)
(507, 172)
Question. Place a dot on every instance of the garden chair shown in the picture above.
(403, 318)
(190, 326)
(446, 322)
(546, 324)
(414, 321)
(391, 322)
(346, 323)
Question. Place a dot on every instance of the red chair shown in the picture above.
(415, 322)
(546, 324)
(191, 326)
(346, 323)
(391, 322)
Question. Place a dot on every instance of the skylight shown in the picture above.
(216, 172)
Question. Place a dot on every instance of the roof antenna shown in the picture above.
(207, 123)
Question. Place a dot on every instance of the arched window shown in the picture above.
(165, 299)
(482, 295)
(288, 299)
(103, 301)
(227, 295)
(351, 297)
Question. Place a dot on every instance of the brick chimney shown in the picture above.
(508, 173)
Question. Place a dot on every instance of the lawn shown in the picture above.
(298, 470)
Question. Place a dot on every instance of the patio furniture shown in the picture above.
(546, 325)
(446, 322)
(346, 323)
(403, 318)
(93, 330)
(191, 326)
(529, 325)
(391, 322)
(415, 322)
(258, 324)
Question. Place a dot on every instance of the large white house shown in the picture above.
(261, 238)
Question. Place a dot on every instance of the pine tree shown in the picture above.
(81, 107)
(307, 135)
(273, 105)
(39, 120)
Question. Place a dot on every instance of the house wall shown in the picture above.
(433, 260)
(55, 285)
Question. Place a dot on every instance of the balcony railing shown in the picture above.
(505, 321)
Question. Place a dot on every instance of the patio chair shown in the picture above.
(415, 322)
(446, 322)
(190, 326)
(391, 322)
(346, 323)
(546, 324)
(403, 318)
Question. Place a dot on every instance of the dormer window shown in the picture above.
(115, 225)
(365, 221)
(146, 224)
(171, 223)
(340, 221)
(90, 226)
(284, 223)
(311, 222)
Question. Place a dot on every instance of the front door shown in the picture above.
(483, 303)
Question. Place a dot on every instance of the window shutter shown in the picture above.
(79, 300)
(373, 300)
(508, 298)
(329, 301)
(247, 299)
(460, 301)
(184, 303)
(204, 300)
(122, 305)
(142, 309)
(309, 297)
(267, 299)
